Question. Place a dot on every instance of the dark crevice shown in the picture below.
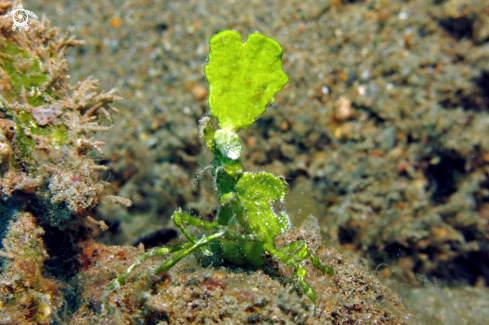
(474, 99)
(59, 240)
(157, 238)
(463, 269)
(443, 177)
(483, 84)
(459, 27)
(397, 250)
(62, 249)
(347, 235)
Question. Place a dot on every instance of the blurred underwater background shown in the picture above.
(382, 134)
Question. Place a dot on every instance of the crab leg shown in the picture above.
(292, 255)
(180, 219)
(201, 242)
(157, 251)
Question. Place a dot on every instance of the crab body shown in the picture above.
(243, 79)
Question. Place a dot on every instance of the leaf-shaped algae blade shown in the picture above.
(243, 77)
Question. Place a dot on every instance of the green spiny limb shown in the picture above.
(300, 273)
(201, 242)
(157, 251)
(317, 264)
(236, 236)
(292, 255)
(287, 254)
(299, 249)
(181, 219)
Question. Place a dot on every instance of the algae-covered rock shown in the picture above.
(192, 294)
(27, 296)
(47, 126)
(187, 294)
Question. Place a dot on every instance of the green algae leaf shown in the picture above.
(258, 192)
(23, 70)
(243, 77)
(25, 144)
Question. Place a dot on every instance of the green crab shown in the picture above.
(243, 78)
